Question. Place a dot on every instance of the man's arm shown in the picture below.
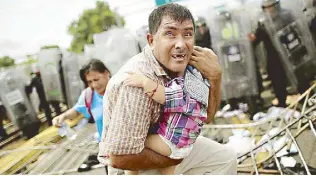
(256, 37)
(145, 160)
(29, 88)
(214, 99)
(124, 134)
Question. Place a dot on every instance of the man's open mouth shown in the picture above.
(179, 57)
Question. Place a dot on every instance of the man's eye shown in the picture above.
(188, 34)
(169, 33)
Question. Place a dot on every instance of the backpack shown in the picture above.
(88, 98)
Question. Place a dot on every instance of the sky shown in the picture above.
(26, 25)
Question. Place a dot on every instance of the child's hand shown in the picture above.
(135, 79)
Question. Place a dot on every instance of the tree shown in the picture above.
(49, 46)
(92, 21)
(6, 61)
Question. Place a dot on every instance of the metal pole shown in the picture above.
(254, 162)
(299, 151)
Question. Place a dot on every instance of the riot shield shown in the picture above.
(26, 69)
(71, 65)
(81, 59)
(89, 52)
(292, 39)
(229, 30)
(141, 34)
(19, 108)
(48, 61)
(115, 46)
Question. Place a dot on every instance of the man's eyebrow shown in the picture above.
(170, 27)
(176, 28)
(189, 28)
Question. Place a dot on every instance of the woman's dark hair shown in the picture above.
(93, 65)
(82, 77)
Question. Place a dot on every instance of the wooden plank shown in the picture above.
(12, 161)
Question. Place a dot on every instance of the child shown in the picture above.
(182, 118)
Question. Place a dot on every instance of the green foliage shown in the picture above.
(92, 21)
(49, 46)
(6, 61)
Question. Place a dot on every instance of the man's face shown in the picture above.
(202, 29)
(271, 11)
(173, 44)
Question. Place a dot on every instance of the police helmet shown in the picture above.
(269, 3)
(200, 21)
(226, 15)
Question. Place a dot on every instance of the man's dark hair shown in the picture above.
(174, 11)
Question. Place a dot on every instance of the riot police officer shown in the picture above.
(3, 133)
(290, 52)
(275, 68)
(310, 12)
(18, 107)
(37, 83)
(202, 35)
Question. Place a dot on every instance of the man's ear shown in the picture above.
(150, 39)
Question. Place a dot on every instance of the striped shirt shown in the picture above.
(183, 116)
(127, 112)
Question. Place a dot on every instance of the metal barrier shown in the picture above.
(66, 156)
(289, 129)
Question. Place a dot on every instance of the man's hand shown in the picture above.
(252, 37)
(206, 61)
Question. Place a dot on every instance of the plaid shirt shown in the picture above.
(183, 116)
